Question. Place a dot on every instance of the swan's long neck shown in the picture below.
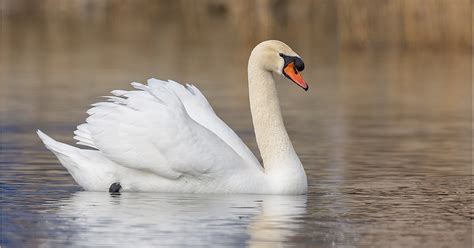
(279, 157)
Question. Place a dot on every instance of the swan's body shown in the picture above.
(166, 137)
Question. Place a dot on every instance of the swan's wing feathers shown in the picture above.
(83, 136)
(190, 96)
(199, 109)
(149, 129)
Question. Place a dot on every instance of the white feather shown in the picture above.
(166, 137)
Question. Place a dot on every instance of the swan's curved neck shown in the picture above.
(278, 154)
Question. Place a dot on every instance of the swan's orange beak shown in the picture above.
(294, 75)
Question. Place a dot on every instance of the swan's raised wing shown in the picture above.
(199, 109)
(150, 129)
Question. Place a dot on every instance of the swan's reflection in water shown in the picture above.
(149, 219)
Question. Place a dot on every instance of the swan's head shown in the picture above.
(275, 56)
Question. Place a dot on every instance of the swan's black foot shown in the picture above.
(115, 188)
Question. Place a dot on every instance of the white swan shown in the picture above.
(165, 137)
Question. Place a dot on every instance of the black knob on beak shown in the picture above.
(299, 64)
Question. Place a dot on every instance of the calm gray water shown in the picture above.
(384, 135)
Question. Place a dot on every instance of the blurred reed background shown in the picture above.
(353, 24)
(358, 53)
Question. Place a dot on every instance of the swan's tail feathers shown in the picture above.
(55, 146)
(82, 164)
(67, 155)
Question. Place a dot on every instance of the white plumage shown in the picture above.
(164, 136)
